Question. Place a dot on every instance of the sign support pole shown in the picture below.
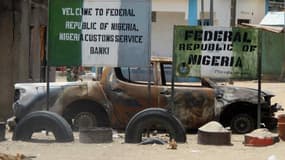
(47, 64)
(202, 12)
(173, 75)
(48, 85)
(149, 58)
(259, 72)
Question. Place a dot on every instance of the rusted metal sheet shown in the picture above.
(195, 108)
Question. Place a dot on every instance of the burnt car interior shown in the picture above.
(137, 75)
(140, 75)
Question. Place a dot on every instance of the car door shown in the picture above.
(130, 91)
(192, 102)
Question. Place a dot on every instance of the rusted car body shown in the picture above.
(122, 92)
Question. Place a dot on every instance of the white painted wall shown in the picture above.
(170, 5)
(251, 9)
(245, 9)
(222, 11)
(162, 32)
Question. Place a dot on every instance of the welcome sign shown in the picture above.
(215, 52)
(99, 32)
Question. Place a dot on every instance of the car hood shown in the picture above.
(32, 89)
(233, 93)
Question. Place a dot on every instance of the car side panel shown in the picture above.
(127, 99)
(194, 106)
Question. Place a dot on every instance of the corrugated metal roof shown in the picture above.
(274, 19)
(275, 29)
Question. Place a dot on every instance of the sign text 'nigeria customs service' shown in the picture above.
(215, 52)
(99, 32)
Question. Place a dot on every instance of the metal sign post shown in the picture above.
(47, 61)
(48, 85)
(259, 72)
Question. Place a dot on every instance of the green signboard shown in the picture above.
(99, 33)
(215, 52)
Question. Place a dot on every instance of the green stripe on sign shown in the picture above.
(64, 40)
(245, 51)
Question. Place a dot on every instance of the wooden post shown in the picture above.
(211, 13)
(233, 13)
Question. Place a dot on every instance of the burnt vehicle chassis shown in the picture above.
(123, 92)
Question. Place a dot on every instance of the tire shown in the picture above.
(43, 120)
(242, 123)
(154, 116)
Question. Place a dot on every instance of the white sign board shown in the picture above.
(109, 32)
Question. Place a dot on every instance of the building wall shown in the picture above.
(6, 57)
(19, 58)
(21, 68)
(170, 5)
(14, 50)
(253, 10)
(162, 32)
(38, 20)
(168, 14)
(222, 11)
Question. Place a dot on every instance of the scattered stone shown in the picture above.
(172, 144)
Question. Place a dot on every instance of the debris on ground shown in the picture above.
(262, 133)
(260, 137)
(172, 144)
(152, 141)
(18, 156)
(11, 123)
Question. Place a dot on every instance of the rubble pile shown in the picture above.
(260, 137)
(213, 133)
(213, 126)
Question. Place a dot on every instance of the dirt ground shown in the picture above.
(117, 150)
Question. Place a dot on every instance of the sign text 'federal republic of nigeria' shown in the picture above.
(99, 33)
(215, 52)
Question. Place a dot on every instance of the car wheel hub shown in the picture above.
(84, 120)
(242, 124)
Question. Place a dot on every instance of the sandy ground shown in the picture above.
(120, 151)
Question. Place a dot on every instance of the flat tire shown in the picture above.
(153, 116)
(43, 120)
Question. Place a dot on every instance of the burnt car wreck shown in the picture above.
(123, 92)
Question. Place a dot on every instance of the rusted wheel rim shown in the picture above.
(84, 120)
